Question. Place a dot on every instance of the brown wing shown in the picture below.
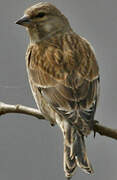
(65, 75)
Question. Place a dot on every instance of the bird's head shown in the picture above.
(43, 20)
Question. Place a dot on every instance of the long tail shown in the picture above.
(74, 151)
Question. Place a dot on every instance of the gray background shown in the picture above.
(30, 149)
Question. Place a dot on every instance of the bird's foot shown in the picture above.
(95, 122)
(52, 123)
(68, 178)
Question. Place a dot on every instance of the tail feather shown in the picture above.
(81, 155)
(75, 151)
(69, 164)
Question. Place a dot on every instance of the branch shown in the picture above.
(7, 108)
(105, 131)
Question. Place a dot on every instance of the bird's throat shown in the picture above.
(38, 35)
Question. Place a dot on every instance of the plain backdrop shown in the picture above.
(31, 149)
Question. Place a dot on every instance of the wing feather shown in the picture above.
(67, 75)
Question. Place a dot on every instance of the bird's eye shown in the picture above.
(40, 15)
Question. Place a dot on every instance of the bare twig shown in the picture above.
(105, 131)
(8, 108)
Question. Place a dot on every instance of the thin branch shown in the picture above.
(105, 131)
(8, 108)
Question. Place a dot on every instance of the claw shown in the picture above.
(95, 122)
(94, 135)
(52, 123)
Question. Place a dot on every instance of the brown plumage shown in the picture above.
(64, 78)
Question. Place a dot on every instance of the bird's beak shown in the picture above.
(24, 21)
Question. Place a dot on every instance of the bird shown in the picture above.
(64, 78)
